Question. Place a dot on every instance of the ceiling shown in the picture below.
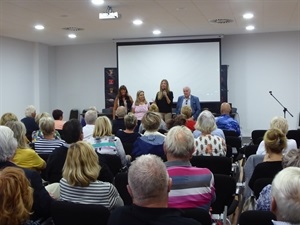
(172, 17)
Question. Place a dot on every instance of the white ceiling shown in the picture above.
(172, 17)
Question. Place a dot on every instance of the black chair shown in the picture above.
(198, 214)
(64, 212)
(235, 143)
(250, 150)
(259, 184)
(216, 164)
(256, 217)
(294, 134)
(257, 136)
(112, 161)
(230, 133)
(121, 182)
(74, 114)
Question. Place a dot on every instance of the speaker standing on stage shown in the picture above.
(164, 100)
(122, 99)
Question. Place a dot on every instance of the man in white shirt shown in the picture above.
(90, 119)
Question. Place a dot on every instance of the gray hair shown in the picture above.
(280, 123)
(130, 121)
(206, 122)
(121, 112)
(91, 116)
(151, 121)
(29, 111)
(179, 142)
(46, 125)
(8, 144)
(19, 130)
(148, 178)
(291, 158)
(286, 192)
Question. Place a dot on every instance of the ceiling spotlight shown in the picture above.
(137, 22)
(72, 36)
(97, 2)
(156, 32)
(250, 27)
(248, 16)
(39, 27)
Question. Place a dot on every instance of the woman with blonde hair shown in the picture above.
(79, 179)
(187, 112)
(140, 107)
(8, 117)
(104, 142)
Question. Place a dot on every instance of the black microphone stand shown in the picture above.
(284, 108)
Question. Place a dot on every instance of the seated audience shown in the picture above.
(24, 157)
(104, 142)
(178, 120)
(7, 117)
(29, 121)
(285, 196)
(73, 132)
(140, 107)
(187, 112)
(58, 119)
(79, 182)
(207, 144)
(192, 187)
(16, 197)
(225, 121)
(41, 198)
(90, 119)
(275, 142)
(118, 122)
(82, 121)
(216, 132)
(48, 143)
(152, 140)
(148, 185)
(281, 124)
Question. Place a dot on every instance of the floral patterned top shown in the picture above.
(263, 202)
(210, 145)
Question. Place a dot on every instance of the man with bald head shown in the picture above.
(225, 121)
(190, 100)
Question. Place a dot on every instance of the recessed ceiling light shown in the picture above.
(39, 27)
(97, 2)
(156, 32)
(137, 22)
(72, 36)
(250, 27)
(248, 16)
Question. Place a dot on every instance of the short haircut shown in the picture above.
(103, 127)
(72, 130)
(130, 121)
(46, 125)
(280, 123)
(8, 144)
(121, 111)
(275, 141)
(82, 164)
(29, 110)
(15, 191)
(186, 111)
(148, 177)
(179, 142)
(151, 121)
(57, 113)
(291, 158)
(8, 117)
(206, 122)
(153, 108)
(19, 130)
(41, 115)
(91, 116)
(286, 192)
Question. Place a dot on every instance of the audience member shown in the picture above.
(58, 119)
(24, 157)
(148, 185)
(7, 117)
(152, 140)
(90, 119)
(29, 121)
(207, 144)
(225, 121)
(190, 123)
(192, 187)
(79, 182)
(16, 197)
(140, 107)
(122, 99)
(188, 100)
(281, 124)
(275, 141)
(285, 196)
(118, 122)
(73, 132)
(216, 132)
(177, 120)
(42, 200)
(164, 100)
(82, 121)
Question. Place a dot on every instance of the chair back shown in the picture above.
(64, 212)
(257, 136)
(259, 184)
(294, 134)
(256, 217)
(121, 182)
(112, 161)
(230, 133)
(250, 150)
(198, 214)
(216, 164)
(74, 114)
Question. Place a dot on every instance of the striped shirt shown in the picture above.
(98, 192)
(192, 187)
(47, 146)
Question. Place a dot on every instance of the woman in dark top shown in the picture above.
(275, 142)
(122, 99)
(164, 100)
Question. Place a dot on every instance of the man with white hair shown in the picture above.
(29, 121)
(148, 185)
(90, 119)
(286, 196)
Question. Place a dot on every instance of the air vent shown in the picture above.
(221, 21)
(72, 28)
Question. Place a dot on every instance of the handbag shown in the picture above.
(250, 204)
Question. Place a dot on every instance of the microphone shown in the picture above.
(270, 92)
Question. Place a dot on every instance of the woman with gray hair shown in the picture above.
(207, 144)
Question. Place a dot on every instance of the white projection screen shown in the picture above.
(196, 64)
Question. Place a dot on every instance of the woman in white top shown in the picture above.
(281, 124)
(140, 107)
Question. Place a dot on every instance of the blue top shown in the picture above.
(226, 122)
(263, 202)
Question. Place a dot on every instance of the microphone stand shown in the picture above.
(284, 108)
